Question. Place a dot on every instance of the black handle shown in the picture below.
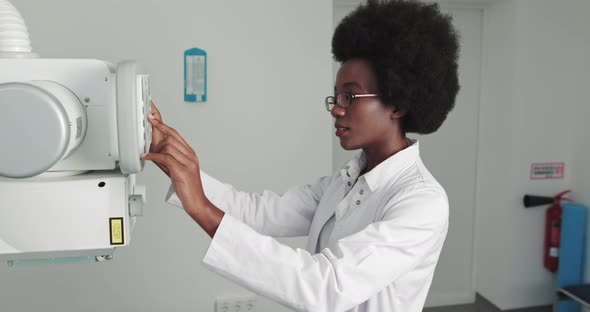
(534, 200)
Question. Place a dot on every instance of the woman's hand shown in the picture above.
(178, 160)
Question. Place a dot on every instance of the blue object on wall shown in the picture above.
(195, 75)
(570, 269)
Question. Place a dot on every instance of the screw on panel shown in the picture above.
(87, 99)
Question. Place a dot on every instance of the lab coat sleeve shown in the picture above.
(287, 214)
(337, 279)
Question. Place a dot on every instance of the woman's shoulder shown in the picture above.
(417, 190)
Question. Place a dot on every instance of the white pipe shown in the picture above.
(14, 36)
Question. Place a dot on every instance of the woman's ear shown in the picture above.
(396, 113)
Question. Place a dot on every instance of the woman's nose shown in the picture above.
(337, 111)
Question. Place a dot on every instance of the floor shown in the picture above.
(482, 305)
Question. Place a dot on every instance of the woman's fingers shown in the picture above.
(167, 131)
(157, 135)
(155, 111)
(175, 143)
(169, 151)
(170, 155)
(164, 160)
(177, 155)
(163, 168)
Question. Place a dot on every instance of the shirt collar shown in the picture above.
(388, 168)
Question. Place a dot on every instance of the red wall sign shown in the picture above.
(543, 171)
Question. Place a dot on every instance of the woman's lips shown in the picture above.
(340, 131)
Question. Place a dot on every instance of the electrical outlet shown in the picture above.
(236, 304)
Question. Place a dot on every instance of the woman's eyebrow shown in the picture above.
(351, 84)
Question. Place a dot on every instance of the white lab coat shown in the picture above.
(388, 233)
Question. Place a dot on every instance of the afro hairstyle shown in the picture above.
(413, 50)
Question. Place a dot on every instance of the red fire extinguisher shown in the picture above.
(552, 226)
(552, 229)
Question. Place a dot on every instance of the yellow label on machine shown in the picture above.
(117, 234)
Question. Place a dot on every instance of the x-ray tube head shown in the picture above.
(43, 123)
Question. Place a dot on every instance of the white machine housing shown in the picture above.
(64, 219)
(78, 201)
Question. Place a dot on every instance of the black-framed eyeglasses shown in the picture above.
(344, 99)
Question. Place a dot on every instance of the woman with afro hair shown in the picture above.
(376, 227)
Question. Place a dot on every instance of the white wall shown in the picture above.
(264, 126)
(535, 84)
(580, 168)
(580, 185)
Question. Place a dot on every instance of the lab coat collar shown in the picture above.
(393, 165)
(353, 167)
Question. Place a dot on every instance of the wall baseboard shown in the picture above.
(436, 299)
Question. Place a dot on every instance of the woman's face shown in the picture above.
(367, 123)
